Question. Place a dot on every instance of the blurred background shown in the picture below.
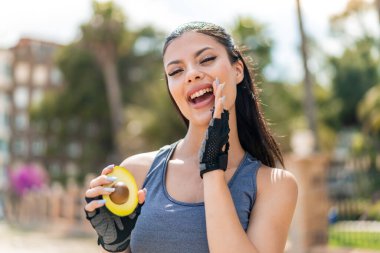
(82, 86)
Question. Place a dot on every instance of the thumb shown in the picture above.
(141, 195)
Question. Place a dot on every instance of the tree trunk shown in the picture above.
(309, 100)
(378, 12)
(106, 58)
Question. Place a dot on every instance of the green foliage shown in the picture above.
(357, 70)
(140, 68)
(354, 74)
(107, 24)
(150, 104)
(255, 42)
(84, 84)
(352, 209)
(361, 240)
(282, 108)
(369, 110)
(354, 14)
(167, 124)
(79, 112)
(282, 103)
(374, 212)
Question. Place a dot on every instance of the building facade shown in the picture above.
(6, 59)
(33, 74)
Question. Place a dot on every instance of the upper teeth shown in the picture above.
(200, 93)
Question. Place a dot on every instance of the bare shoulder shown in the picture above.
(139, 165)
(276, 181)
(139, 161)
(271, 216)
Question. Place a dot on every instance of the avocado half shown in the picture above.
(123, 201)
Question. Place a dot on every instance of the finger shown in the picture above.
(99, 190)
(108, 169)
(101, 180)
(141, 194)
(218, 89)
(90, 207)
(215, 86)
(219, 107)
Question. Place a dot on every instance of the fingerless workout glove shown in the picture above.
(211, 155)
(114, 232)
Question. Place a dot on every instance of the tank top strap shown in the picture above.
(161, 158)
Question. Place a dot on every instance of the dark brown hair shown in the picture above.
(253, 131)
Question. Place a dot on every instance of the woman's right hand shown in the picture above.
(113, 231)
(96, 190)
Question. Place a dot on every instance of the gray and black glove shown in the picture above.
(212, 156)
(114, 232)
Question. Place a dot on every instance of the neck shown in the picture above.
(189, 147)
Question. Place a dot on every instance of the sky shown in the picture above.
(59, 21)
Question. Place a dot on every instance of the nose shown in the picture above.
(193, 74)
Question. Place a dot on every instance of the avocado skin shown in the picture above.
(122, 207)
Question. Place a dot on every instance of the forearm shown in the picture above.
(224, 230)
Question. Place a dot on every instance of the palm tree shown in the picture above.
(369, 113)
(378, 11)
(378, 8)
(102, 35)
(369, 110)
(309, 100)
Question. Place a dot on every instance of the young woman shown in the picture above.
(215, 190)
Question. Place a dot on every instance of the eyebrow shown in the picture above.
(196, 55)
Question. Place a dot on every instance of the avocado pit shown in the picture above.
(124, 200)
(121, 193)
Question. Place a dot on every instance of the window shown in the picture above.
(6, 157)
(21, 121)
(22, 71)
(41, 51)
(4, 103)
(3, 176)
(5, 68)
(54, 169)
(56, 76)
(20, 147)
(4, 152)
(21, 97)
(4, 122)
(74, 150)
(6, 119)
(71, 169)
(2, 119)
(38, 147)
(40, 75)
(3, 146)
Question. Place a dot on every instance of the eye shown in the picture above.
(208, 58)
(174, 72)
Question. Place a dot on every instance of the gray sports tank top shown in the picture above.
(171, 226)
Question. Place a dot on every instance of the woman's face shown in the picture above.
(192, 63)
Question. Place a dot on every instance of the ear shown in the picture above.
(239, 70)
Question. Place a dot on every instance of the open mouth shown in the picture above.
(201, 96)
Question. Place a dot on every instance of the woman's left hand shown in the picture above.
(219, 98)
(212, 156)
